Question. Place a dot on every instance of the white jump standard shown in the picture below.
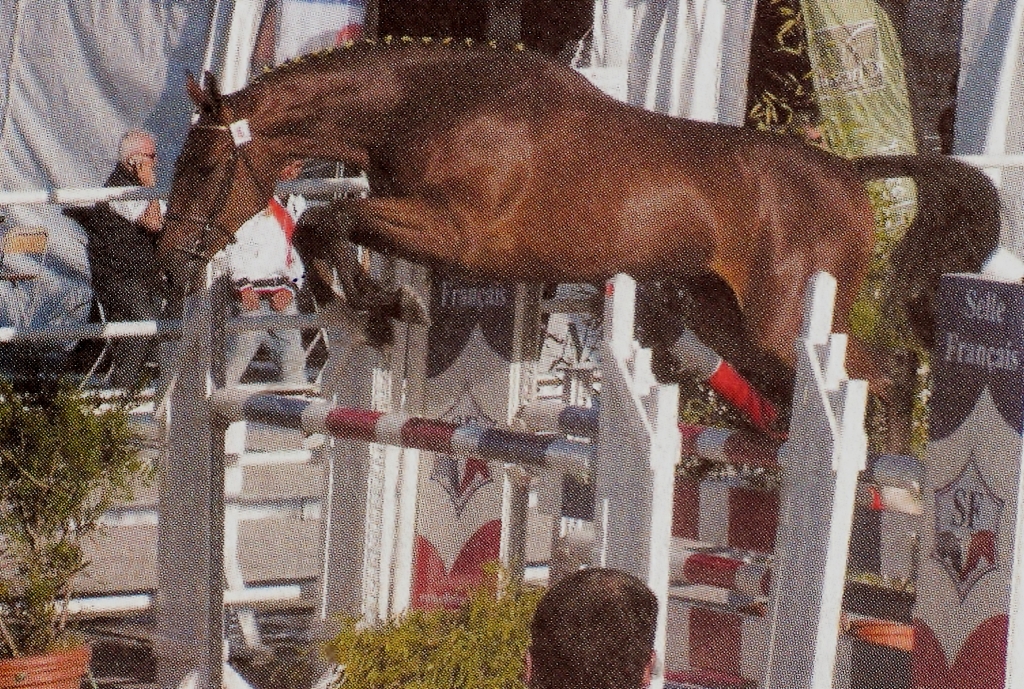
(821, 460)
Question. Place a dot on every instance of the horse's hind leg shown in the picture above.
(901, 369)
(707, 305)
(720, 323)
(892, 380)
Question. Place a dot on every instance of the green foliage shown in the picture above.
(919, 417)
(894, 210)
(63, 462)
(901, 584)
(479, 646)
(888, 328)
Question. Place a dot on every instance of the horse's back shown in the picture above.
(680, 193)
(559, 181)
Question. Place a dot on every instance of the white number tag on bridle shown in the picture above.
(240, 133)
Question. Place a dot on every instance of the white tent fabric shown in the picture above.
(242, 33)
(298, 27)
(74, 76)
(309, 25)
(990, 101)
(686, 58)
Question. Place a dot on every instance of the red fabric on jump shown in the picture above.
(735, 389)
(716, 641)
(435, 586)
(686, 508)
(980, 662)
(753, 519)
(712, 570)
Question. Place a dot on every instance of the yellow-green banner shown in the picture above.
(858, 78)
(861, 91)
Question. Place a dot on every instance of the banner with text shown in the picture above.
(858, 78)
(970, 545)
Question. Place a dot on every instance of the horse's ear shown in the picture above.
(206, 100)
(212, 89)
(195, 92)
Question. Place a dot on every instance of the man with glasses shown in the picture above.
(122, 242)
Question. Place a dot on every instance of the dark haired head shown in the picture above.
(593, 629)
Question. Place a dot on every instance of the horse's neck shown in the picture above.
(334, 114)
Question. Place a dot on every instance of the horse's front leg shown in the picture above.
(411, 228)
(322, 238)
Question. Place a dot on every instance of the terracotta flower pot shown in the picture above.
(884, 633)
(58, 670)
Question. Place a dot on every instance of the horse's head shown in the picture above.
(220, 181)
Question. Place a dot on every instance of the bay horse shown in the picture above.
(508, 166)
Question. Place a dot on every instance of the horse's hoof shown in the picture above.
(411, 307)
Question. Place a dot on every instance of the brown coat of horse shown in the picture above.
(511, 167)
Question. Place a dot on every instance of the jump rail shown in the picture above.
(399, 429)
(995, 160)
(732, 447)
(693, 566)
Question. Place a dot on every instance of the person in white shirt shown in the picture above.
(266, 273)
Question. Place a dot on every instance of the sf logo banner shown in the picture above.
(967, 518)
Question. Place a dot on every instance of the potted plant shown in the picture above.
(64, 460)
(479, 646)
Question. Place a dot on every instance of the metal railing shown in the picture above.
(166, 328)
(85, 195)
(993, 160)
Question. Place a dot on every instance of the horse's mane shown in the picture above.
(353, 49)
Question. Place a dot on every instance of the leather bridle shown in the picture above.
(204, 245)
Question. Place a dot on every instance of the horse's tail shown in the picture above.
(956, 228)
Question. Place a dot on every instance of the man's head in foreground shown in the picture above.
(593, 629)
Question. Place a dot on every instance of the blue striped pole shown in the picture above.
(396, 428)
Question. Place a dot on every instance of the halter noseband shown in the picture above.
(200, 249)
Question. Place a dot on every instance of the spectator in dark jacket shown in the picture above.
(122, 242)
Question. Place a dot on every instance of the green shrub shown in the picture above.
(479, 646)
(63, 462)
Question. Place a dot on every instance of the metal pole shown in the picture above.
(190, 537)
